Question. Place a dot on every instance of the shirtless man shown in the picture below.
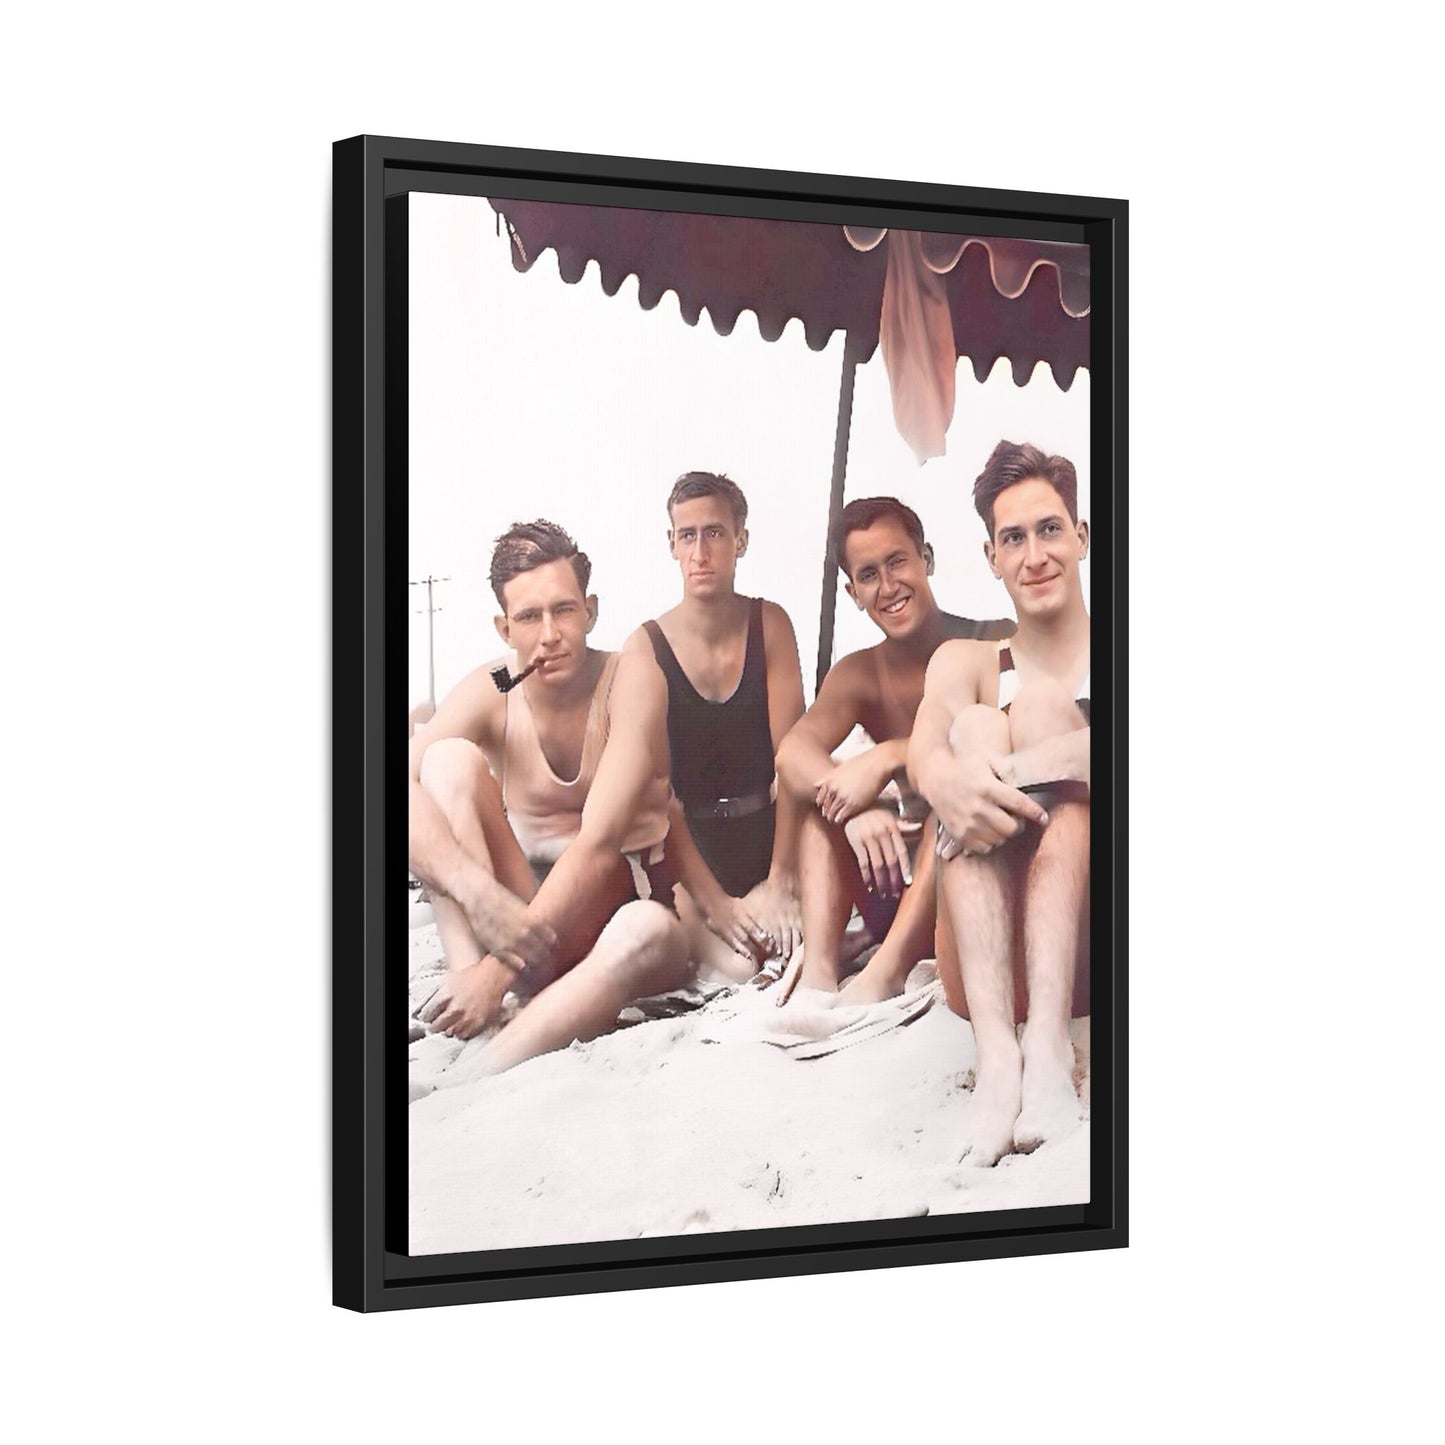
(735, 688)
(995, 721)
(854, 849)
(584, 941)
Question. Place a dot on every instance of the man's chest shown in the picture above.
(714, 668)
(890, 712)
(562, 738)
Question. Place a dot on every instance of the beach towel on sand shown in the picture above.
(814, 1024)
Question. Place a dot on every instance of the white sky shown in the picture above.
(533, 398)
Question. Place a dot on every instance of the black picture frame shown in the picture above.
(371, 1270)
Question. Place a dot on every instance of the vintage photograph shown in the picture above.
(749, 723)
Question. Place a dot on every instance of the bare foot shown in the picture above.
(811, 1014)
(499, 919)
(872, 985)
(1050, 1105)
(992, 1109)
(818, 973)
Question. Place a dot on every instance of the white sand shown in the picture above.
(697, 1123)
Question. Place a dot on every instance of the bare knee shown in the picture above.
(640, 945)
(979, 727)
(453, 769)
(1043, 710)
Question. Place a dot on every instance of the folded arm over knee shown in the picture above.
(805, 757)
(956, 757)
(1050, 738)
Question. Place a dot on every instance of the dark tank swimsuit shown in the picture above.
(722, 762)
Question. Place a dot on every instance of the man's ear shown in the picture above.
(1083, 531)
(591, 612)
(671, 542)
(857, 600)
(989, 557)
(928, 559)
(742, 541)
(504, 629)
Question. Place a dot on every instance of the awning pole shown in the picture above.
(835, 510)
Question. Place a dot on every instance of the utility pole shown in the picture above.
(431, 611)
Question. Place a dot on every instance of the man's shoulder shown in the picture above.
(639, 639)
(861, 667)
(477, 693)
(778, 631)
(635, 670)
(963, 656)
(473, 709)
(774, 614)
(968, 628)
(856, 681)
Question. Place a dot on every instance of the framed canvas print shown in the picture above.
(729, 629)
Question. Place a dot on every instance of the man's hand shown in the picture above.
(774, 903)
(878, 845)
(502, 923)
(733, 921)
(977, 810)
(469, 999)
(852, 787)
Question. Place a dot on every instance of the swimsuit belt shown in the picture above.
(732, 807)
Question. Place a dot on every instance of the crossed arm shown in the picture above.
(846, 793)
(805, 760)
(1064, 758)
(975, 791)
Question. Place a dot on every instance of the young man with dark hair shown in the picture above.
(539, 818)
(1001, 751)
(735, 688)
(856, 846)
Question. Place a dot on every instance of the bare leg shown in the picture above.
(455, 775)
(1054, 894)
(949, 974)
(642, 950)
(977, 894)
(828, 874)
(911, 937)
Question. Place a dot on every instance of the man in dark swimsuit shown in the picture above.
(1001, 750)
(734, 689)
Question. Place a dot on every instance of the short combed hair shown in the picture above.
(525, 546)
(692, 485)
(1012, 463)
(863, 512)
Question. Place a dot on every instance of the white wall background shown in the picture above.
(166, 591)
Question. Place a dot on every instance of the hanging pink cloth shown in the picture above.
(916, 323)
(916, 329)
